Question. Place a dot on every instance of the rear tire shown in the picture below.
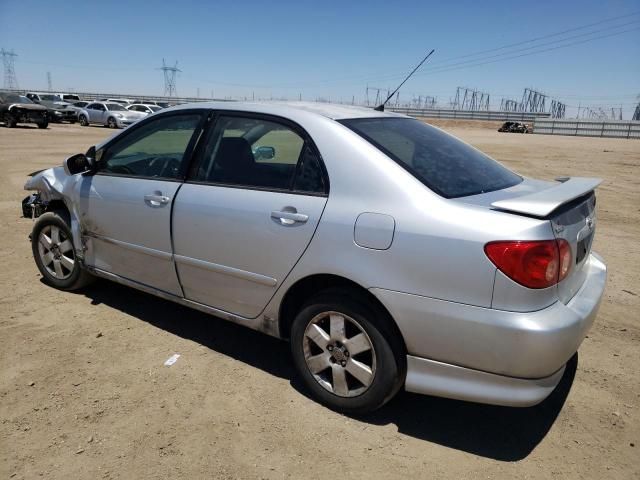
(11, 122)
(346, 353)
(43, 125)
(54, 252)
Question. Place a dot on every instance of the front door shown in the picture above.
(125, 209)
(247, 214)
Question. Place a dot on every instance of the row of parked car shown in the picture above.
(42, 108)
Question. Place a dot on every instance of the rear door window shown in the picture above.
(443, 163)
(261, 153)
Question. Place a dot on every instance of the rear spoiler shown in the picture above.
(542, 203)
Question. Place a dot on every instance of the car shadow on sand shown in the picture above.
(500, 433)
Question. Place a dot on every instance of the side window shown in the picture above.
(251, 152)
(91, 106)
(155, 149)
(309, 177)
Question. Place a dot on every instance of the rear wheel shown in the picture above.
(346, 354)
(83, 120)
(11, 122)
(54, 253)
(43, 124)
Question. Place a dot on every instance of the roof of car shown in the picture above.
(329, 110)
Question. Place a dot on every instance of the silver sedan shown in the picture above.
(390, 254)
(112, 115)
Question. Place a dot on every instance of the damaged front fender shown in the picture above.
(54, 185)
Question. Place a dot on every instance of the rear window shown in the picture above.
(446, 165)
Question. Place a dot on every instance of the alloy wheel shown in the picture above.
(56, 252)
(339, 354)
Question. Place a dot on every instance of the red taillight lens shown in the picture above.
(564, 250)
(535, 264)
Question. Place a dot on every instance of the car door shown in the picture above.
(93, 112)
(247, 213)
(125, 208)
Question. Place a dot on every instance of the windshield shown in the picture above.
(50, 98)
(15, 99)
(70, 97)
(443, 163)
(114, 106)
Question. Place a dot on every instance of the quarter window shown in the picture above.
(154, 150)
(251, 152)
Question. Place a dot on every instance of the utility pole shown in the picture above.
(170, 79)
(8, 60)
(49, 81)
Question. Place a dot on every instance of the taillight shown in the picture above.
(534, 264)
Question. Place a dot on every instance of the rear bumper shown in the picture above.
(429, 377)
(523, 345)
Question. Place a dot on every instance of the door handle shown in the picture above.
(289, 218)
(157, 199)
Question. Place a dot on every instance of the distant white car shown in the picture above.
(112, 115)
(147, 109)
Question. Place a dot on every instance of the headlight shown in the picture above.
(119, 115)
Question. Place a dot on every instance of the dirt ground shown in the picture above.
(84, 392)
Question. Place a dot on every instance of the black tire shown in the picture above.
(111, 123)
(43, 125)
(83, 120)
(11, 122)
(387, 351)
(72, 279)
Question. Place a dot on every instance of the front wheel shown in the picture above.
(111, 123)
(83, 120)
(346, 354)
(43, 124)
(54, 253)
(11, 122)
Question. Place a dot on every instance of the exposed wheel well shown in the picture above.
(304, 288)
(57, 205)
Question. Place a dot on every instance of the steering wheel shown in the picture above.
(171, 167)
(121, 169)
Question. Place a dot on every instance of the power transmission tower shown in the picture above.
(8, 59)
(49, 81)
(508, 105)
(380, 95)
(533, 101)
(636, 113)
(170, 79)
(557, 109)
(469, 99)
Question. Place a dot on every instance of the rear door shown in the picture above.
(247, 213)
(125, 209)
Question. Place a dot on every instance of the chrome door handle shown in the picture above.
(157, 199)
(289, 218)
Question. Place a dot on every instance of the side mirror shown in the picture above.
(78, 163)
(264, 153)
(81, 162)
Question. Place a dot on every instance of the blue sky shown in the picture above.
(327, 49)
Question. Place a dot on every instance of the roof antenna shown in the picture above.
(380, 108)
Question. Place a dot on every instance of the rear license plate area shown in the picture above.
(583, 248)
